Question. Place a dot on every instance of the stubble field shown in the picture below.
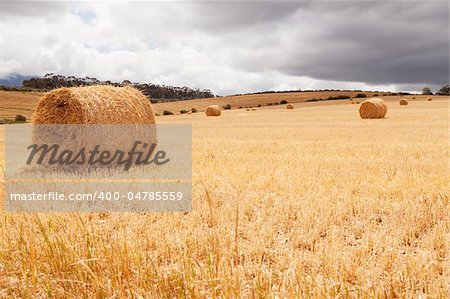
(312, 201)
(13, 102)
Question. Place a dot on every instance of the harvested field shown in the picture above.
(310, 202)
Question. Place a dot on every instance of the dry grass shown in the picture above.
(313, 202)
(253, 100)
(14, 102)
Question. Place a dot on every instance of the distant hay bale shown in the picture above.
(429, 99)
(248, 109)
(403, 102)
(253, 109)
(413, 98)
(352, 102)
(289, 106)
(213, 110)
(357, 102)
(373, 108)
(99, 104)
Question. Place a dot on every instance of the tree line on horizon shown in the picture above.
(445, 90)
(163, 93)
(157, 93)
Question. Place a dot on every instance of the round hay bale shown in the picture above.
(213, 110)
(100, 104)
(403, 102)
(413, 98)
(289, 106)
(253, 109)
(429, 99)
(82, 117)
(373, 108)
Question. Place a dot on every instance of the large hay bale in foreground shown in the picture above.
(213, 110)
(289, 106)
(429, 99)
(99, 104)
(373, 108)
(403, 102)
(82, 117)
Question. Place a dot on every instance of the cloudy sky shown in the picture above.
(232, 47)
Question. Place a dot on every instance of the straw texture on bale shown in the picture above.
(373, 108)
(80, 117)
(403, 102)
(429, 99)
(213, 110)
(289, 106)
(94, 105)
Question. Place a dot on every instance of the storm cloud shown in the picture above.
(232, 47)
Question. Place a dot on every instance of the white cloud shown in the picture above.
(8, 67)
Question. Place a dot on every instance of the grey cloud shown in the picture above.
(236, 15)
(392, 42)
(31, 8)
(216, 44)
(397, 48)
